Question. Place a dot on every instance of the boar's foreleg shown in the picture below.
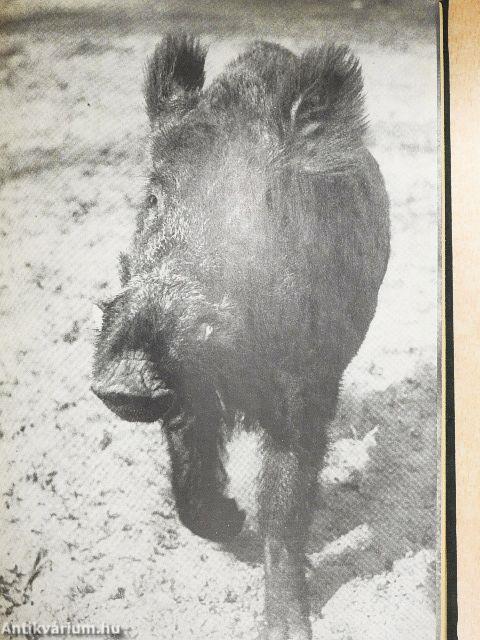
(198, 478)
(287, 491)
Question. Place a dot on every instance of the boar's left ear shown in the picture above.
(175, 74)
(323, 117)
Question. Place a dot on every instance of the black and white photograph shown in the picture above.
(221, 277)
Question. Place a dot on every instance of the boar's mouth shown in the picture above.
(129, 387)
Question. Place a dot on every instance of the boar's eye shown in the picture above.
(152, 201)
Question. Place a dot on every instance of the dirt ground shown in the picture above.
(89, 532)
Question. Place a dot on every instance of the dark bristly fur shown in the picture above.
(251, 283)
(177, 64)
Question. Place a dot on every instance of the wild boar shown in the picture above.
(251, 282)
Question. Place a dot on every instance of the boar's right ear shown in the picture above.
(175, 73)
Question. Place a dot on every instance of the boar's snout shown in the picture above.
(136, 408)
(130, 388)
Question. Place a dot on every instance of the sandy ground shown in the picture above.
(89, 532)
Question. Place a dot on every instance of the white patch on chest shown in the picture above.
(243, 464)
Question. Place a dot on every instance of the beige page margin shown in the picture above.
(464, 47)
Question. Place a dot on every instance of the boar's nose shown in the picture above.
(130, 388)
(136, 408)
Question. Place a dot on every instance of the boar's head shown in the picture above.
(225, 243)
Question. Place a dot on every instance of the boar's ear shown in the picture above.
(174, 74)
(323, 110)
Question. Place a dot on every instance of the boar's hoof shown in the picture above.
(216, 518)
